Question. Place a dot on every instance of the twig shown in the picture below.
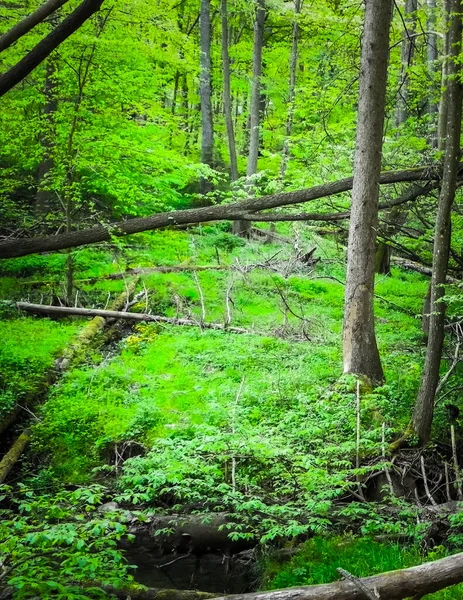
(447, 482)
(383, 448)
(445, 378)
(201, 298)
(425, 482)
(359, 585)
(237, 398)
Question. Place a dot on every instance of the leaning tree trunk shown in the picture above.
(424, 409)
(227, 94)
(207, 131)
(243, 228)
(360, 351)
(398, 215)
(292, 90)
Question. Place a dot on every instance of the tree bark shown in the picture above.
(27, 24)
(424, 408)
(443, 105)
(227, 93)
(49, 43)
(292, 90)
(360, 351)
(230, 212)
(242, 228)
(205, 91)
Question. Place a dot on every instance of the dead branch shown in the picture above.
(13, 455)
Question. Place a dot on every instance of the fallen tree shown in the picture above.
(396, 585)
(229, 212)
(112, 314)
(12, 456)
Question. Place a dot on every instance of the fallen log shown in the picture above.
(219, 212)
(394, 585)
(411, 265)
(139, 593)
(12, 456)
(106, 314)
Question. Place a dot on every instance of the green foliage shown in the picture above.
(59, 545)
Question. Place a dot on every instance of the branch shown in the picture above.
(230, 212)
(49, 43)
(20, 29)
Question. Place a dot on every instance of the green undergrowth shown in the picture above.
(316, 563)
(27, 349)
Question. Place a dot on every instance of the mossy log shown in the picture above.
(12, 456)
(395, 585)
(136, 592)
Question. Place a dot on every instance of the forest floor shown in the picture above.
(259, 425)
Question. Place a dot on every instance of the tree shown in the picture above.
(424, 408)
(45, 47)
(207, 131)
(292, 89)
(227, 103)
(242, 228)
(360, 351)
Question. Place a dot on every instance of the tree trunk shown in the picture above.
(49, 43)
(242, 228)
(230, 212)
(424, 409)
(227, 94)
(292, 90)
(205, 91)
(432, 58)
(44, 197)
(407, 55)
(360, 351)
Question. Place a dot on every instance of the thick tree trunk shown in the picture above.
(424, 409)
(49, 43)
(227, 93)
(360, 351)
(205, 91)
(292, 90)
(243, 228)
(27, 24)
(230, 212)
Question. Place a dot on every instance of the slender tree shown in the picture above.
(443, 105)
(292, 89)
(205, 91)
(360, 351)
(227, 102)
(242, 228)
(424, 409)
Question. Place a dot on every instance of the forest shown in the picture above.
(231, 299)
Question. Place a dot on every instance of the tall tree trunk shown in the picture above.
(44, 197)
(243, 228)
(443, 106)
(398, 214)
(207, 131)
(292, 90)
(360, 351)
(424, 409)
(227, 93)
